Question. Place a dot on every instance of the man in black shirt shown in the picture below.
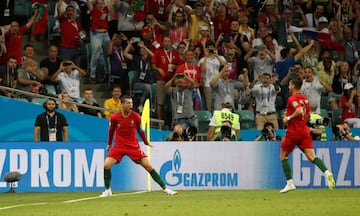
(50, 65)
(51, 126)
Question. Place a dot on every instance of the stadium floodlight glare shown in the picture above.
(11, 178)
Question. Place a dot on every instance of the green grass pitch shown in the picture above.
(312, 202)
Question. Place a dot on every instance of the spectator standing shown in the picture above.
(210, 66)
(119, 63)
(8, 76)
(99, 36)
(265, 96)
(152, 32)
(13, 37)
(262, 62)
(51, 125)
(313, 88)
(192, 71)
(350, 103)
(223, 86)
(164, 62)
(70, 38)
(145, 76)
(181, 100)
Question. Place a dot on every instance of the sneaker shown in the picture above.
(331, 181)
(106, 193)
(170, 192)
(288, 187)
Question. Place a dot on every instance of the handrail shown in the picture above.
(157, 121)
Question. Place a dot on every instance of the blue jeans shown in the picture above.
(145, 88)
(99, 42)
(70, 54)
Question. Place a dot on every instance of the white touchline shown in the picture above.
(97, 197)
(22, 205)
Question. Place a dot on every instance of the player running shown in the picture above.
(126, 123)
(298, 134)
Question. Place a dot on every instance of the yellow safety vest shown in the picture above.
(221, 116)
(314, 116)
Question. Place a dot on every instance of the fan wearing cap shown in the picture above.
(224, 124)
(196, 20)
(350, 103)
(323, 24)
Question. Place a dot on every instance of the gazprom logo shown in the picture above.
(170, 172)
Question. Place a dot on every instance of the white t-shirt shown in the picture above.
(212, 69)
(70, 83)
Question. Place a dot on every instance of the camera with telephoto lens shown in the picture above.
(266, 132)
(226, 131)
(82, 35)
(318, 122)
(337, 133)
(191, 133)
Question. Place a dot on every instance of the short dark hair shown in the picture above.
(284, 52)
(267, 124)
(297, 82)
(124, 97)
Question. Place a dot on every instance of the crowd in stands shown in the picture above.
(186, 56)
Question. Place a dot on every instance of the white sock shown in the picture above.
(290, 181)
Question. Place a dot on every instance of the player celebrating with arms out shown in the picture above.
(298, 134)
(126, 123)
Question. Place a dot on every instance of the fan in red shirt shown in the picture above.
(298, 134)
(126, 123)
(13, 38)
(164, 62)
(192, 71)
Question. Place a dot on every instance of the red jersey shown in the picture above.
(351, 112)
(298, 123)
(162, 59)
(69, 33)
(99, 18)
(13, 44)
(125, 128)
(190, 70)
(222, 26)
(156, 36)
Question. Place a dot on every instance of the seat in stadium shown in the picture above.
(203, 117)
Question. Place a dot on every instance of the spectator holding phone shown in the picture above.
(68, 75)
(181, 100)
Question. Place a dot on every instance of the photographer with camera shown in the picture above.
(317, 123)
(341, 131)
(268, 133)
(179, 134)
(224, 124)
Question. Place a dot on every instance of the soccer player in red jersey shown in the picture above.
(125, 123)
(298, 134)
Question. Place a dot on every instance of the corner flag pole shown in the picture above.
(145, 125)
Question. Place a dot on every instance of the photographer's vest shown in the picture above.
(221, 116)
(314, 116)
